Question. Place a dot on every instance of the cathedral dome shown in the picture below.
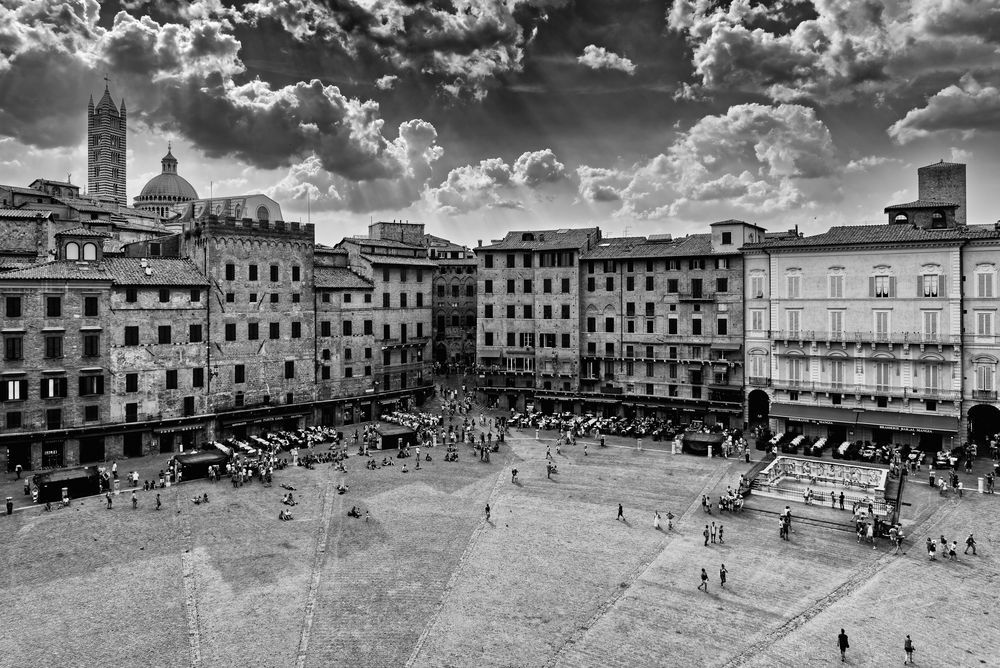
(168, 186)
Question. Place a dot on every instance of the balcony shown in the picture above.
(695, 296)
(984, 395)
(921, 393)
(408, 342)
(759, 381)
(845, 337)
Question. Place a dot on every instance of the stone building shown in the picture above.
(528, 314)
(883, 333)
(166, 191)
(106, 148)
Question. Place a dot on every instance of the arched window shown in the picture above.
(72, 251)
(937, 219)
(90, 251)
(263, 213)
(900, 218)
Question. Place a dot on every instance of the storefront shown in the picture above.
(919, 430)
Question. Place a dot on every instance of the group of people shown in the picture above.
(949, 550)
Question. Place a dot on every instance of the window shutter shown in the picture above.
(892, 286)
(24, 389)
(43, 389)
(100, 385)
(871, 286)
(920, 285)
(3, 391)
(83, 386)
(941, 285)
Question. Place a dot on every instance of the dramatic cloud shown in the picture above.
(387, 82)
(495, 184)
(754, 158)
(464, 45)
(599, 58)
(868, 162)
(833, 50)
(966, 107)
(415, 150)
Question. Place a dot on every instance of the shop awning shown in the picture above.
(817, 414)
(915, 422)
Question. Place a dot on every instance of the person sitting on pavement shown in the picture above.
(284, 514)
(354, 512)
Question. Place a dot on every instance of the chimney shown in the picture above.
(479, 242)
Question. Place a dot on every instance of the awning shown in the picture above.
(725, 345)
(915, 422)
(817, 414)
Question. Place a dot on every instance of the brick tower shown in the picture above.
(944, 181)
(106, 148)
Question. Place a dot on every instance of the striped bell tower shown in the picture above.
(106, 148)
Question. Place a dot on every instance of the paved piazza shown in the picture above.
(551, 580)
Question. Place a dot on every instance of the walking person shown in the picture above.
(722, 575)
(970, 542)
(656, 520)
(135, 500)
(705, 533)
(621, 513)
(714, 532)
(908, 648)
(158, 502)
(487, 512)
(704, 581)
(841, 500)
(108, 497)
(843, 644)
(720, 534)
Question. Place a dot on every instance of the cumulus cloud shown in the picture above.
(414, 149)
(463, 45)
(386, 82)
(754, 157)
(840, 50)
(868, 162)
(599, 58)
(191, 81)
(966, 107)
(495, 184)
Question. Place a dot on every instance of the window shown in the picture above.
(53, 307)
(591, 324)
(722, 263)
(230, 272)
(795, 367)
(131, 295)
(131, 382)
(930, 322)
(253, 331)
(324, 372)
(53, 418)
(722, 284)
(511, 311)
(836, 285)
(757, 286)
(723, 326)
(672, 324)
(882, 286)
(510, 261)
(296, 273)
(564, 342)
(883, 375)
(528, 314)
(609, 283)
(649, 283)
(325, 297)
(385, 275)
(274, 273)
(132, 412)
(984, 323)
(696, 326)
(672, 285)
(91, 385)
(290, 369)
(296, 330)
(194, 333)
(274, 297)
(609, 324)
(527, 339)
(230, 331)
(252, 272)
(197, 377)
(932, 376)
(132, 335)
(488, 338)
(90, 307)
(882, 325)
(296, 298)
(488, 287)
(838, 369)
(54, 347)
(547, 312)
(72, 251)
(403, 299)
(511, 339)
(55, 388)
(12, 307)
(188, 406)
(196, 295)
(91, 345)
(527, 286)
(420, 275)
(13, 348)
(385, 300)
(13, 390)
(985, 377)
(629, 283)
(794, 320)
(420, 298)
(565, 312)
(793, 284)
(727, 238)
(510, 286)
(165, 295)
(239, 374)
(757, 320)
(171, 383)
(274, 330)
(984, 283)
(230, 297)
(488, 261)
(836, 322)
(368, 327)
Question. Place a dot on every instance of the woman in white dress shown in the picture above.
(656, 520)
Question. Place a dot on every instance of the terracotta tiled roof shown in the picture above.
(118, 270)
(923, 204)
(640, 247)
(396, 259)
(24, 214)
(82, 232)
(545, 239)
(857, 235)
(380, 243)
(339, 278)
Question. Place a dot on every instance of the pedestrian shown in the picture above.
(953, 551)
(584, 449)
(17, 471)
(108, 497)
(114, 470)
(833, 500)
(487, 512)
(158, 502)
(513, 475)
(135, 500)
(970, 542)
(841, 500)
(843, 644)
(714, 532)
(621, 513)
(656, 520)
(704, 581)
(722, 575)
(670, 520)
(705, 533)
(720, 534)
(908, 648)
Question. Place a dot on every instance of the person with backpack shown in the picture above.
(908, 648)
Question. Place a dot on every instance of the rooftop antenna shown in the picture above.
(308, 208)
(69, 177)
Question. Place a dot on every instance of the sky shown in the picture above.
(477, 117)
